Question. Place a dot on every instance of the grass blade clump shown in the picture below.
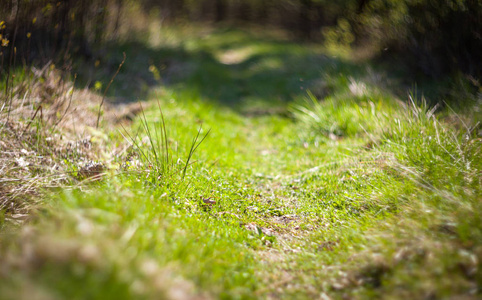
(156, 155)
(194, 145)
(342, 115)
(432, 182)
(443, 156)
(437, 218)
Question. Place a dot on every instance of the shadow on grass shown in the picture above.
(228, 67)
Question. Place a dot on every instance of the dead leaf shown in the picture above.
(208, 201)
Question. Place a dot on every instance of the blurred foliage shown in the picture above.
(436, 37)
(44, 30)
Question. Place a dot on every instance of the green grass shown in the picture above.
(343, 192)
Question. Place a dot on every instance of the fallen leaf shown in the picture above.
(208, 200)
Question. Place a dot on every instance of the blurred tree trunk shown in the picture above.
(99, 28)
(220, 10)
(361, 6)
(64, 34)
(244, 11)
(304, 22)
(177, 8)
(118, 4)
(263, 12)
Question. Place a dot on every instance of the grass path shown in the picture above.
(286, 198)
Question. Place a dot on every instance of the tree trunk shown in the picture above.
(220, 10)
(304, 22)
(244, 11)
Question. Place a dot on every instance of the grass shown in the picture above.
(346, 191)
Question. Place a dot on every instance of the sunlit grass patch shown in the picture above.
(356, 113)
(134, 242)
(427, 238)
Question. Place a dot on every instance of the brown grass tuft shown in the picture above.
(48, 138)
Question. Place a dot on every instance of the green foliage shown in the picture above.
(440, 36)
(447, 160)
(353, 109)
(432, 187)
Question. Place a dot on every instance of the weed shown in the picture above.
(157, 158)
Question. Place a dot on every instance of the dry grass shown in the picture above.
(49, 139)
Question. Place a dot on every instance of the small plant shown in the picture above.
(154, 149)
(444, 158)
(336, 117)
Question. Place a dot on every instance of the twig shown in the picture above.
(70, 102)
(108, 86)
(33, 117)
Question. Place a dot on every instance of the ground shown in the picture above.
(250, 167)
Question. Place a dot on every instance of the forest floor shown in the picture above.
(236, 165)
